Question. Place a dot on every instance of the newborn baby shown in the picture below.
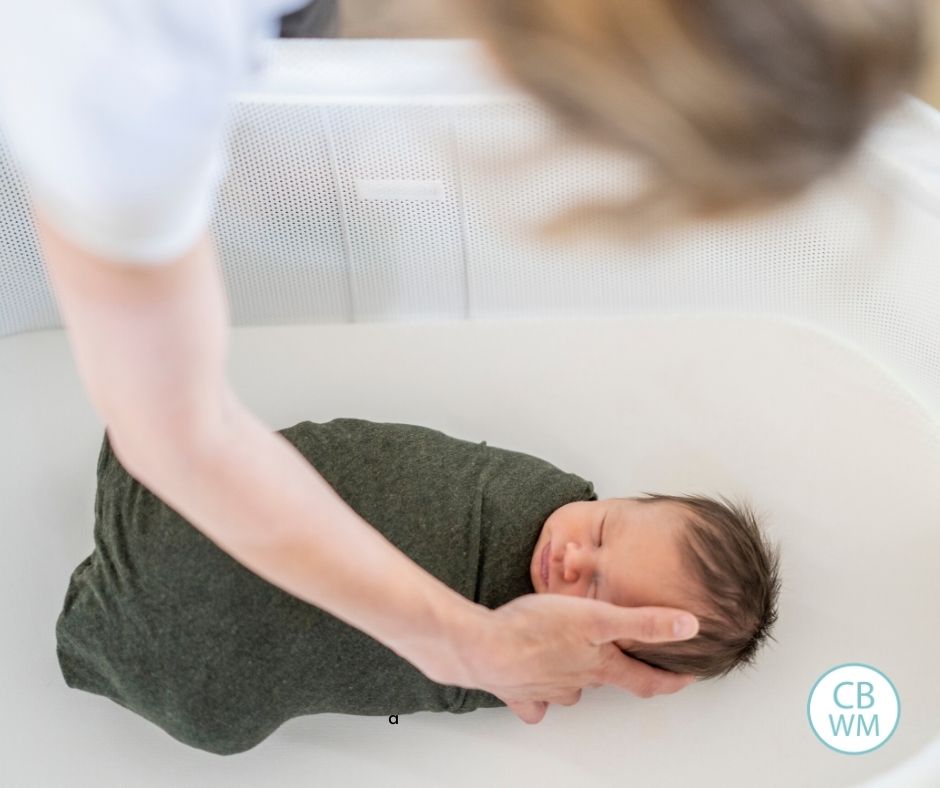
(686, 552)
(163, 622)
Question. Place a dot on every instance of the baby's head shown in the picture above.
(687, 552)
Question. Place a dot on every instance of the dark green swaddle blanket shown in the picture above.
(163, 622)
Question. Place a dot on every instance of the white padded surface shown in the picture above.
(839, 459)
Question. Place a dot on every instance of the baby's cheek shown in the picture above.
(571, 515)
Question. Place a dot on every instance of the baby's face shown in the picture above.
(619, 551)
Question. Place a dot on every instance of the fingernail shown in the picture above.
(683, 626)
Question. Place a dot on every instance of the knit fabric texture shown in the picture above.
(165, 623)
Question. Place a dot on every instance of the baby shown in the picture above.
(686, 552)
(162, 621)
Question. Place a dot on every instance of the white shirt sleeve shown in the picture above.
(115, 111)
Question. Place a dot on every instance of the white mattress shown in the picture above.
(840, 460)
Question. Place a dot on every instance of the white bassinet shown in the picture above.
(372, 236)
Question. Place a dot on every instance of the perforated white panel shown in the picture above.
(279, 222)
(373, 181)
(26, 299)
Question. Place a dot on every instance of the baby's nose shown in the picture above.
(574, 562)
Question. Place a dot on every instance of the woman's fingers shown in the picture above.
(642, 624)
(626, 625)
(546, 648)
(643, 680)
(529, 711)
(533, 712)
(566, 699)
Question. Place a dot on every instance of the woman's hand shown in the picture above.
(544, 648)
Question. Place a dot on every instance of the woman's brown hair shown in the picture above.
(732, 104)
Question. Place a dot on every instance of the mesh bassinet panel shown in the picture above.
(397, 180)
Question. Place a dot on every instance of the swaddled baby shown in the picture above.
(163, 622)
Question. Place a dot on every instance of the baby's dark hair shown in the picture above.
(738, 583)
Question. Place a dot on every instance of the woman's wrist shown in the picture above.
(443, 655)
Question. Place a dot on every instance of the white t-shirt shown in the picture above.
(115, 112)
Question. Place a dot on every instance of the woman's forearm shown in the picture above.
(258, 499)
(150, 345)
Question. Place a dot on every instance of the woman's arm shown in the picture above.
(259, 499)
(150, 344)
